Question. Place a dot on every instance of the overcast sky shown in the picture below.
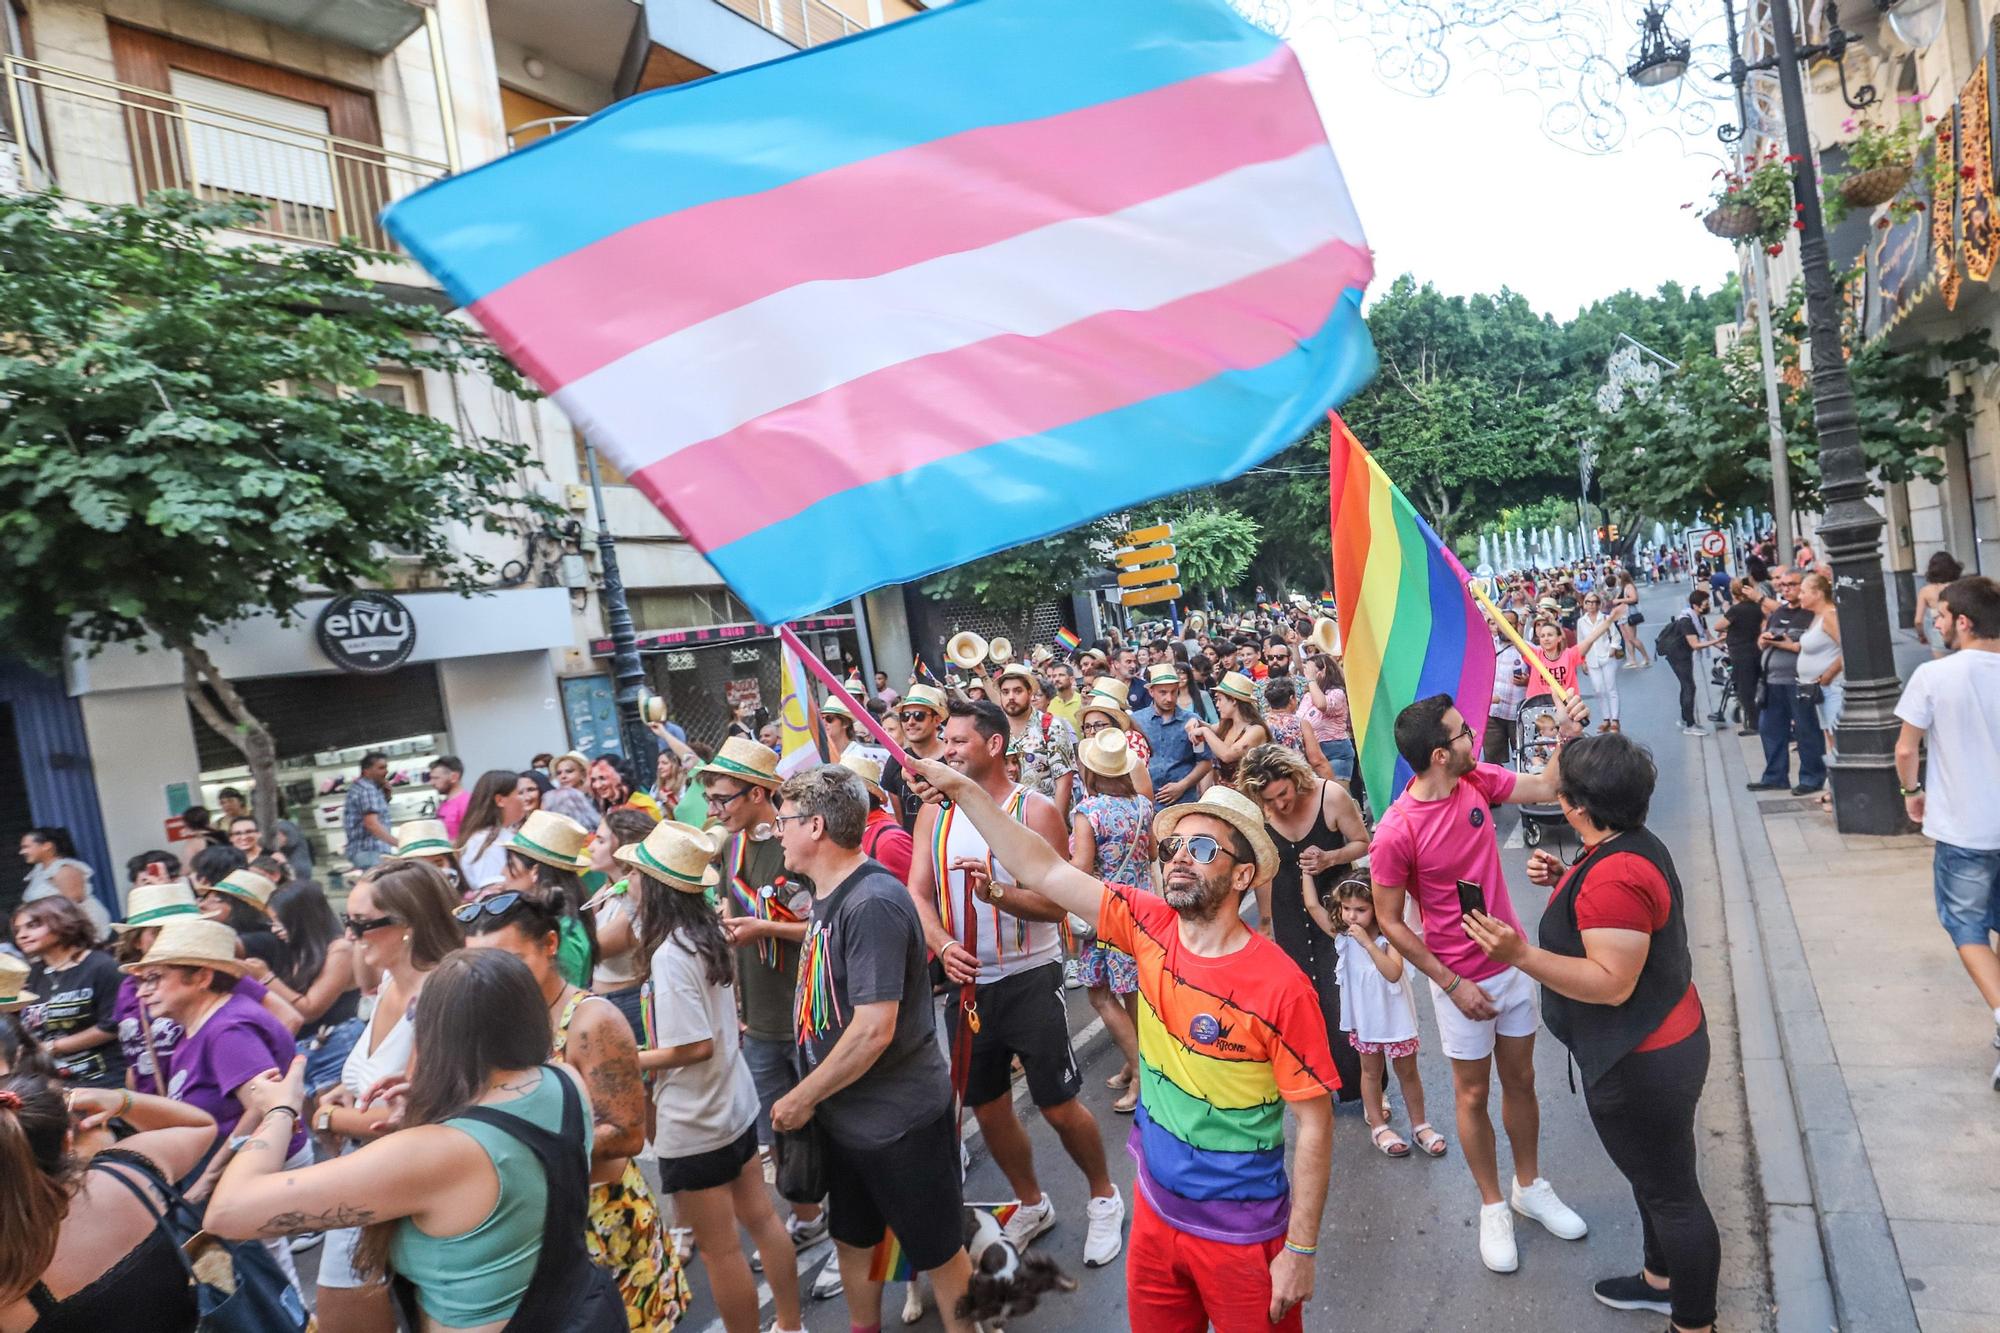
(1465, 190)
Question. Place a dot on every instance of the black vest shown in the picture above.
(1600, 1035)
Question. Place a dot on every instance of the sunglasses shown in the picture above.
(361, 925)
(908, 715)
(498, 905)
(1201, 849)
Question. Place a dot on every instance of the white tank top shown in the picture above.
(364, 1069)
(1005, 944)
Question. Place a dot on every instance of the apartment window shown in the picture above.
(255, 145)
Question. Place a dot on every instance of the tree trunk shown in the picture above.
(235, 723)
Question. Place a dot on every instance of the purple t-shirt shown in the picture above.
(238, 1042)
(166, 1032)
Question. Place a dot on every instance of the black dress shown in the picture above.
(1305, 943)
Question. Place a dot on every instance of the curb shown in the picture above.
(1833, 1260)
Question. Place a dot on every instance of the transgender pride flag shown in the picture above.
(951, 285)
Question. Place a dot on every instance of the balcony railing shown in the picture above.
(113, 143)
(803, 23)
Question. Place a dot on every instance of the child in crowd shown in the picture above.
(1547, 735)
(1377, 1014)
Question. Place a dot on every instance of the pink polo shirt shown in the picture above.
(1426, 847)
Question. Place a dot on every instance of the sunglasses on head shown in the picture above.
(500, 904)
(1201, 849)
(361, 925)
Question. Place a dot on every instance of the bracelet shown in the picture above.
(1308, 1251)
(1455, 979)
(1908, 792)
(124, 1105)
(291, 1111)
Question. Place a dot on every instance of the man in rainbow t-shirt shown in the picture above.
(1230, 1031)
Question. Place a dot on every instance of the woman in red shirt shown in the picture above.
(1617, 989)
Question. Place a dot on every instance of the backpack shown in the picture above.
(1671, 641)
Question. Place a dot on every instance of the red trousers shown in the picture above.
(1177, 1283)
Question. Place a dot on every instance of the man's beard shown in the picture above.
(1948, 636)
(1014, 709)
(1462, 766)
(1193, 896)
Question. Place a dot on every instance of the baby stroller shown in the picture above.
(1537, 732)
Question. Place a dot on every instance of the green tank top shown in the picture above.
(480, 1276)
(573, 952)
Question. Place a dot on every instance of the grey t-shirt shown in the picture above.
(1782, 667)
(865, 946)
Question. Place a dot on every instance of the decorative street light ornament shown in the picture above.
(1661, 57)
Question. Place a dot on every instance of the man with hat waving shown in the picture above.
(999, 944)
(1229, 1032)
(764, 912)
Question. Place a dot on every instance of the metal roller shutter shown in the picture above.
(307, 714)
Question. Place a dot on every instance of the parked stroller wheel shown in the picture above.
(1531, 833)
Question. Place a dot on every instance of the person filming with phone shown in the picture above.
(1436, 842)
(1618, 991)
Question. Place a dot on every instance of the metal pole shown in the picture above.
(1781, 464)
(627, 675)
(447, 116)
(1865, 796)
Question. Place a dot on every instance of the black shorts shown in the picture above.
(909, 1185)
(708, 1170)
(1021, 1015)
(629, 1002)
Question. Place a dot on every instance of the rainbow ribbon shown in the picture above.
(815, 1007)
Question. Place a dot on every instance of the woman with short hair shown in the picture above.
(75, 1018)
(1618, 991)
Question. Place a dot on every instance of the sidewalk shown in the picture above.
(1888, 1055)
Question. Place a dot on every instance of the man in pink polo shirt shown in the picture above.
(1435, 838)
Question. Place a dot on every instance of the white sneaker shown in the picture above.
(1028, 1223)
(1696, 730)
(806, 1233)
(1496, 1239)
(1106, 1234)
(829, 1283)
(1539, 1201)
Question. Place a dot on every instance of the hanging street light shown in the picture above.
(1661, 57)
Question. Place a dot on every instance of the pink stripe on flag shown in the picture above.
(889, 212)
(935, 407)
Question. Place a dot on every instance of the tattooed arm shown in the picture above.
(601, 1049)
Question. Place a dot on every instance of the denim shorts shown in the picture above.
(1964, 881)
(1831, 698)
(774, 1068)
(1339, 757)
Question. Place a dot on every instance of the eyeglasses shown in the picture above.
(1201, 849)
(719, 801)
(1464, 733)
(361, 925)
(148, 980)
(782, 820)
(1092, 728)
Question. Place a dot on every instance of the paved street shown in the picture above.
(1398, 1250)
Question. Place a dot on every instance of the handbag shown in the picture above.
(238, 1286)
(802, 1164)
(1811, 692)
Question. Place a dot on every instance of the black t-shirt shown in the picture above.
(1743, 622)
(75, 999)
(267, 948)
(865, 946)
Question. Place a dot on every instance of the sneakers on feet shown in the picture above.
(1696, 730)
(1071, 981)
(1539, 1201)
(1106, 1234)
(1496, 1239)
(1632, 1292)
(806, 1232)
(1028, 1223)
(828, 1284)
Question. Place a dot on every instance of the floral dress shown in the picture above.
(1123, 828)
(625, 1238)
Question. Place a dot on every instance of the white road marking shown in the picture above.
(1514, 840)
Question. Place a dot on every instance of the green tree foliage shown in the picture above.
(1212, 546)
(184, 440)
(1015, 579)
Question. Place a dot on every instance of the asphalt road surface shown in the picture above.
(1399, 1244)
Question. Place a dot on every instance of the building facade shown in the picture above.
(322, 115)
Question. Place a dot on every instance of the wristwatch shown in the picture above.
(323, 1122)
(995, 890)
(1908, 792)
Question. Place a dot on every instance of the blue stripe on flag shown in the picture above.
(1444, 656)
(754, 129)
(1039, 485)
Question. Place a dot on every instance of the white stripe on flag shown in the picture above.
(797, 750)
(714, 376)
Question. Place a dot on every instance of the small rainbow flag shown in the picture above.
(1067, 637)
(1327, 605)
(889, 1263)
(1410, 628)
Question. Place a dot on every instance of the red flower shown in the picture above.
(1966, 173)
(1917, 205)
(1792, 157)
(1798, 208)
(1798, 226)
(1930, 120)
(1774, 249)
(1881, 224)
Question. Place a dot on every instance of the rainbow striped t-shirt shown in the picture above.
(1224, 1043)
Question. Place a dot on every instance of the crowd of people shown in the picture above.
(560, 1040)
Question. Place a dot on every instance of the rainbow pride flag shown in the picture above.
(1408, 626)
(1031, 259)
(1067, 637)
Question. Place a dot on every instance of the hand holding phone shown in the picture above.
(1471, 898)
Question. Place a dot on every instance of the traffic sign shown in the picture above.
(1165, 592)
(1144, 556)
(1139, 578)
(1159, 532)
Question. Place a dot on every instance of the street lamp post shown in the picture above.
(1865, 795)
(627, 675)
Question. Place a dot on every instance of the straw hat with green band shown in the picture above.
(745, 760)
(248, 885)
(920, 695)
(1109, 702)
(1238, 686)
(192, 942)
(13, 980)
(424, 837)
(151, 904)
(677, 855)
(554, 840)
(1162, 673)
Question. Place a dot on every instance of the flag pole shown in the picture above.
(1529, 655)
(860, 710)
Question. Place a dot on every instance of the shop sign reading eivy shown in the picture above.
(368, 632)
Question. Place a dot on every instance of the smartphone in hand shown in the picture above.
(1471, 898)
